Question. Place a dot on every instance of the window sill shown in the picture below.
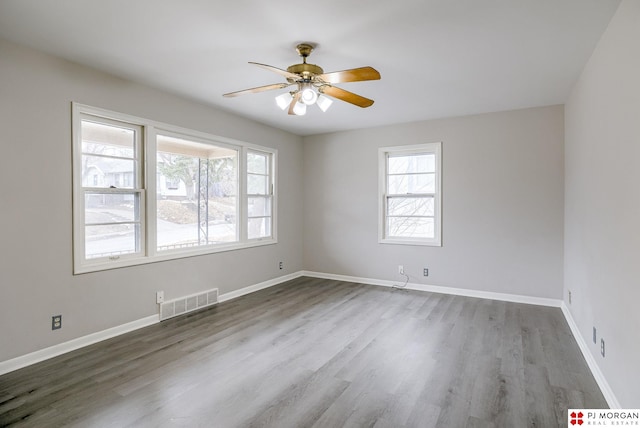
(399, 241)
(165, 256)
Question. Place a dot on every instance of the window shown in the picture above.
(146, 191)
(259, 194)
(197, 206)
(112, 216)
(410, 194)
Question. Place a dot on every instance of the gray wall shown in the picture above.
(602, 214)
(36, 278)
(502, 203)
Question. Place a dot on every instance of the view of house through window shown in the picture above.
(110, 171)
(197, 190)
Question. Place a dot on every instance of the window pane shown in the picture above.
(257, 184)
(410, 227)
(410, 207)
(259, 227)
(412, 163)
(98, 171)
(223, 178)
(107, 140)
(257, 163)
(177, 176)
(196, 201)
(110, 208)
(412, 183)
(110, 240)
(259, 207)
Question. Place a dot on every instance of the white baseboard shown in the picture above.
(255, 287)
(591, 362)
(80, 342)
(72, 345)
(540, 301)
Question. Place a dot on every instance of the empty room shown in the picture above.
(343, 214)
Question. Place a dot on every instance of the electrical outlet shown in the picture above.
(602, 347)
(595, 337)
(56, 322)
(425, 272)
(570, 300)
(281, 265)
(160, 297)
(401, 269)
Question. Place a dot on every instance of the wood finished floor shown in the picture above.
(318, 353)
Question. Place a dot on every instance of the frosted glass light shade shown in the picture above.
(283, 100)
(324, 102)
(300, 109)
(309, 96)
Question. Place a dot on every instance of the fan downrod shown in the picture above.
(306, 71)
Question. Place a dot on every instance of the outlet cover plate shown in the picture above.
(56, 322)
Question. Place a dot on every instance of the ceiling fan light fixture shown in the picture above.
(283, 100)
(324, 103)
(312, 83)
(300, 109)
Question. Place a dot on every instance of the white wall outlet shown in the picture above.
(160, 297)
(401, 269)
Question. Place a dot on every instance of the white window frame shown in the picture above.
(271, 191)
(148, 190)
(383, 195)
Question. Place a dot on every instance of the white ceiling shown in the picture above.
(437, 58)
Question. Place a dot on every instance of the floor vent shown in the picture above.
(183, 305)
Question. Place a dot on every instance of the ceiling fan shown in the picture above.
(313, 85)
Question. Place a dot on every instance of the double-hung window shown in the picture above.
(259, 194)
(410, 194)
(110, 190)
(145, 191)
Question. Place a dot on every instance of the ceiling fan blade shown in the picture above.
(280, 71)
(258, 89)
(347, 96)
(352, 75)
(295, 99)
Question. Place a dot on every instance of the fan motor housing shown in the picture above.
(305, 70)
